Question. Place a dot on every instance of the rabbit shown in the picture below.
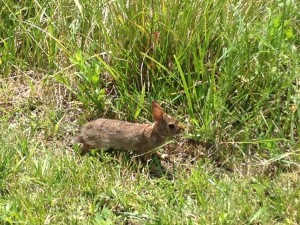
(140, 138)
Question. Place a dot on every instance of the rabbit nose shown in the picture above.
(181, 127)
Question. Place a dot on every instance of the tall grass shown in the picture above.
(230, 67)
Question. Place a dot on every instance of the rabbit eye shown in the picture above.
(171, 126)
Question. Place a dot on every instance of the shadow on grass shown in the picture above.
(155, 166)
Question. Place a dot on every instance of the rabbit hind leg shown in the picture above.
(85, 149)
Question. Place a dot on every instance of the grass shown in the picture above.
(228, 70)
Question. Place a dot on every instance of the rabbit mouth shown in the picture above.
(180, 131)
(181, 128)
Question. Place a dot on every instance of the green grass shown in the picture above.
(53, 185)
(228, 70)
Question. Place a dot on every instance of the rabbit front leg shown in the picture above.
(150, 155)
(85, 149)
(162, 155)
(146, 157)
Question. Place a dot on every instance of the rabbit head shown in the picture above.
(165, 125)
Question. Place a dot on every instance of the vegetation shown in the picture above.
(229, 70)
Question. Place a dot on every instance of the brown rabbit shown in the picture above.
(141, 138)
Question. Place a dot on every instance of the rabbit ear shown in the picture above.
(157, 111)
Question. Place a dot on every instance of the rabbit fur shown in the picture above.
(141, 138)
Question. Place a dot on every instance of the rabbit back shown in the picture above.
(106, 133)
